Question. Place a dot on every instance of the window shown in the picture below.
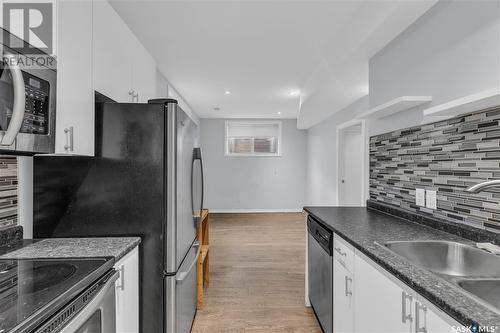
(253, 138)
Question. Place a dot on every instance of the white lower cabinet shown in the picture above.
(127, 293)
(343, 296)
(368, 299)
(383, 304)
(431, 319)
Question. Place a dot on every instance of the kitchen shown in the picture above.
(250, 166)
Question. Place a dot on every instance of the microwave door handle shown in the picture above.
(19, 101)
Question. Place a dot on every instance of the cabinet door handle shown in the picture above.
(404, 317)
(69, 138)
(348, 280)
(121, 285)
(135, 95)
(420, 328)
(344, 254)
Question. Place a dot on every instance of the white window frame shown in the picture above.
(252, 122)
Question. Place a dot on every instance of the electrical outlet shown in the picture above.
(430, 199)
(420, 197)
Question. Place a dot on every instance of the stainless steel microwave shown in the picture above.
(27, 103)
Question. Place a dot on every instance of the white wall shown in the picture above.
(321, 157)
(453, 50)
(236, 184)
(161, 85)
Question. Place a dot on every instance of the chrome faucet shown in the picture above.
(483, 186)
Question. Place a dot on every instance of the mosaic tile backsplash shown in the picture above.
(8, 191)
(446, 156)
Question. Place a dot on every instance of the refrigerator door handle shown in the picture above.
(202, 183)
(182, 275)
(197, 156)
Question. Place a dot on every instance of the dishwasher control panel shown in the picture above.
(321, 234)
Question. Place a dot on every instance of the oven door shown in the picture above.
(92, 311)
(99, 315)
(21, 129)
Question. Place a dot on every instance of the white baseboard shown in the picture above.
(256, 210)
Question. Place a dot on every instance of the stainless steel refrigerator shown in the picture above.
(146, 179)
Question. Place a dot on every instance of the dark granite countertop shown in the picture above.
(362, 227)
(116, 247)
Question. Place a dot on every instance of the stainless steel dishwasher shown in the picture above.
(320, 271)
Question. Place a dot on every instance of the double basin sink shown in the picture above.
(474, 270)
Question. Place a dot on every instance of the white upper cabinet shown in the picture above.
(75, 94)
(113, 45)
(123, 69)
(96, 51)
(143, 73)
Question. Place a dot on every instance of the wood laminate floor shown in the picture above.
(257, 276)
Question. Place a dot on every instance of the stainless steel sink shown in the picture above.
(449, 258)
(486, 289)
(474, 270)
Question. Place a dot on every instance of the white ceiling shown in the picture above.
(262, 50)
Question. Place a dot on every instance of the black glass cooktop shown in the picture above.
(32, 290)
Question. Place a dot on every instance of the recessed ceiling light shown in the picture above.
(228, 92)
(294, 93)
(279, 112)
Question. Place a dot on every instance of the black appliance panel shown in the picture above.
(128, 176)
(28, 286)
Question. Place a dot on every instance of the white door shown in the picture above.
(351, 148)
(343, 307)
(378, 301)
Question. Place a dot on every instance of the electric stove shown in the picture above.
(31, 291)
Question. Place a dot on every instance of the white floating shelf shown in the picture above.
(475, 102)
(396, 105)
